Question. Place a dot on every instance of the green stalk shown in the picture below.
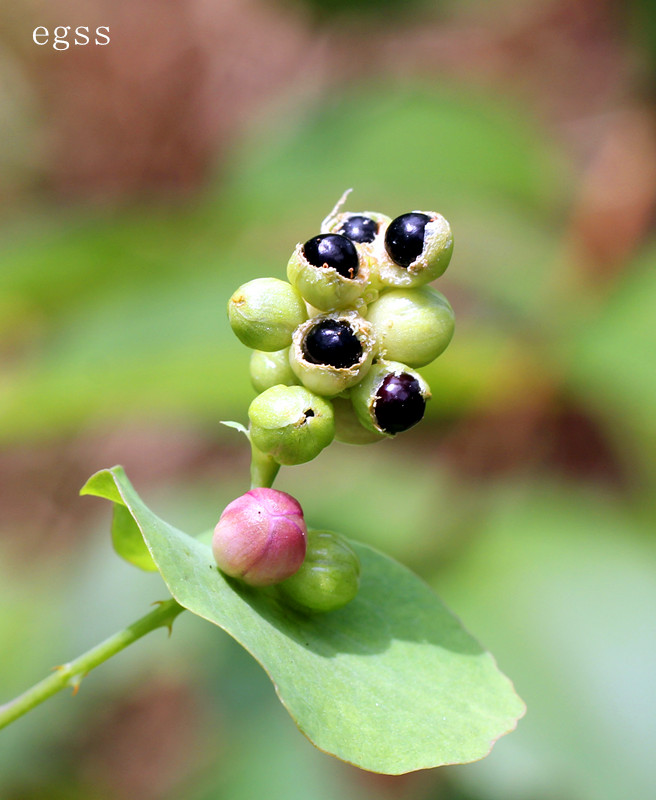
(263, 469)
(71, 674)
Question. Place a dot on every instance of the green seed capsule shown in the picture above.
(291, 424)
(348, 428)
(265, 312)
(391, 398)
(332, 352)
(271, 369)
(415, 249)
(414, 326)
(329, 577)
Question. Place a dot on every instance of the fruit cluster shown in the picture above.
(337, 346)
(335, 355)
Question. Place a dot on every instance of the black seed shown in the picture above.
(404, 238)
(359, 229)
(332, 342)
(399, 403)
(308, 413)
(332, 250)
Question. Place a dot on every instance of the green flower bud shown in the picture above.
(391, 398)
(413, 326)
(271, 369)
(332, 352)
(348, 428)
(265, 312)
(329, 577)
(415, 249)
(291, 424)
(330, 272)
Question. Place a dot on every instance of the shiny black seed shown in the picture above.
(399, 403)
(359, 229)
(332, 342)
(332, 250)
(404, 238)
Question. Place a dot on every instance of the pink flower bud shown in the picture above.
(261, 537)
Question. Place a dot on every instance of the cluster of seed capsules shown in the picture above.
(337, 346)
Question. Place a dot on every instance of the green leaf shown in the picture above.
(126, 535)
(391, 683)
(128, 541)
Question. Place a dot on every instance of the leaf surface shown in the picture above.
(391, 683)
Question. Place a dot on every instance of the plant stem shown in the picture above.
(72, 673)
(263, 469)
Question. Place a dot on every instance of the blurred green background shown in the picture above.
(143, 181)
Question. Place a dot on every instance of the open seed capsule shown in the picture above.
(329, 577)
(362, 227)
(332, 352)
(291, 424)
(264, 313)
(391, 398)
(329, 271)
(415, 250)
(413, 326)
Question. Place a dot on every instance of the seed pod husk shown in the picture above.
(391, 398)
(323, 287)
(431, 261)
(340, 222)
(325, 378)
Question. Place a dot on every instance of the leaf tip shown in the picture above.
(104, 484)
(236, 425)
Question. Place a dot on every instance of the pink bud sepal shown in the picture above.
(261, 537)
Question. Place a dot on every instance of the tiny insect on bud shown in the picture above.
(261, 537)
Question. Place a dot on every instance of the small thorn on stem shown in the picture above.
(167, 625)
